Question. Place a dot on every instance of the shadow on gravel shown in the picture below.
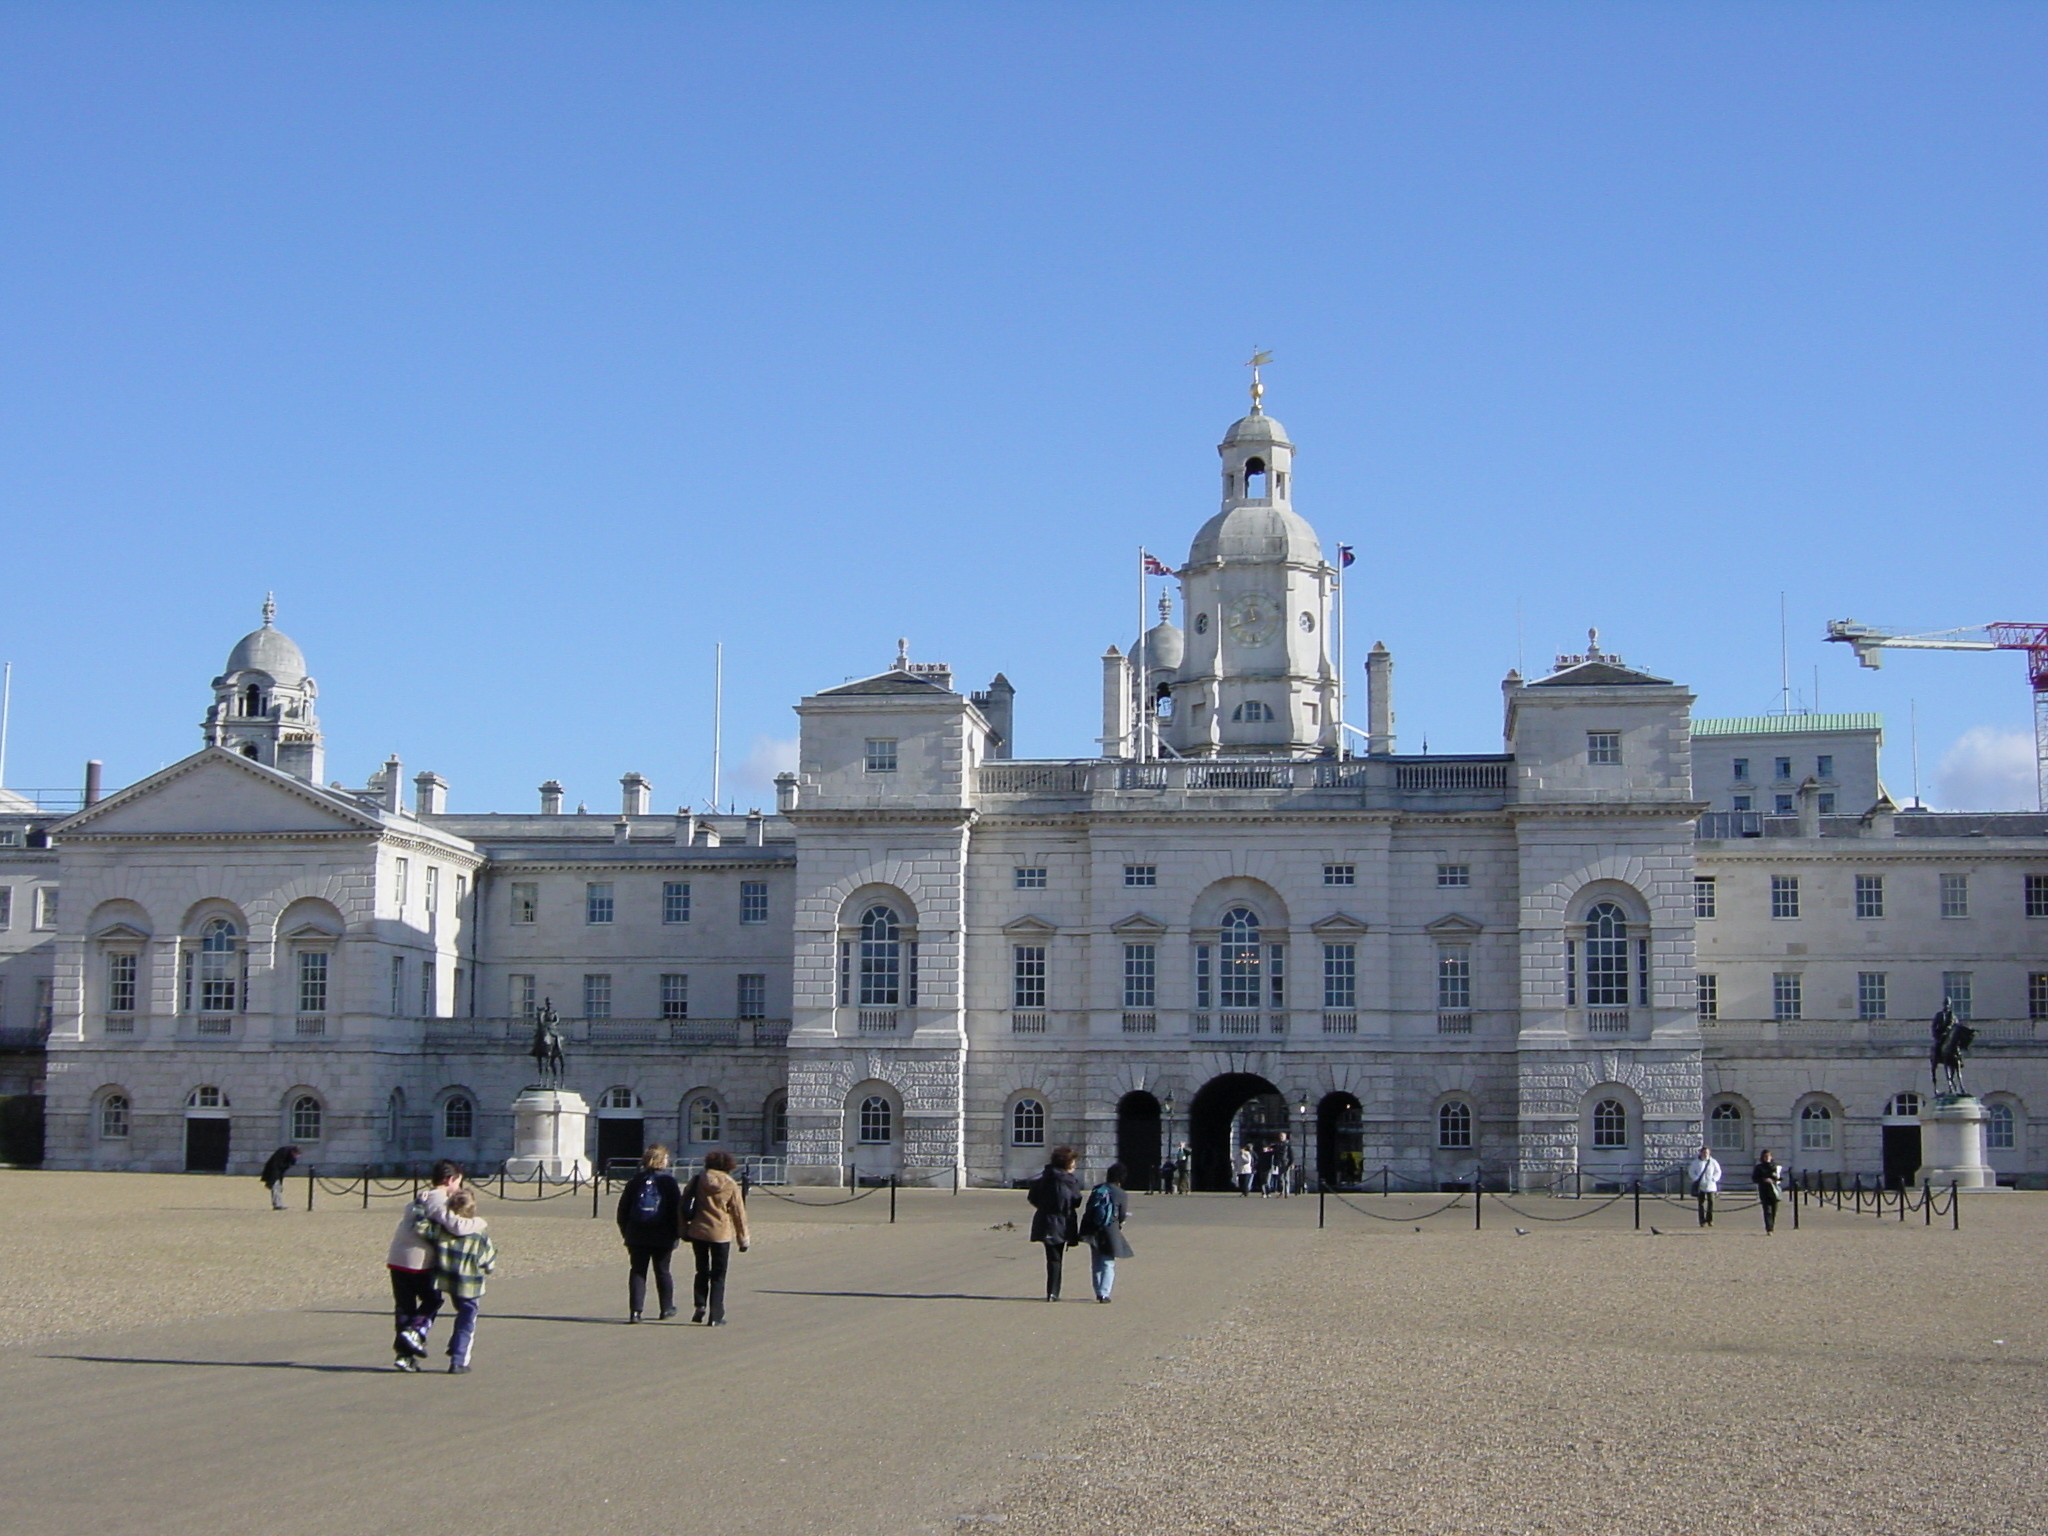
(258, 1365)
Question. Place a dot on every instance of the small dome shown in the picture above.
(270, 651)
(1163, 648)
(1256, 428)
(1258, 534)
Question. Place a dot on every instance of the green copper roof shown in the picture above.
(1786, 725)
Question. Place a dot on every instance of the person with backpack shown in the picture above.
(1055, 1196)
(650, 1224)
(1102, 1228)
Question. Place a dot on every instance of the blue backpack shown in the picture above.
(1100, 1213)
(647, 1204)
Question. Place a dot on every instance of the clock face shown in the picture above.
(1253, 620)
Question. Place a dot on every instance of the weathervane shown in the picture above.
(1259, 360)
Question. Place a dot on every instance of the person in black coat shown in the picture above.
(274, 1171)
(1102, 1228)
(650, 1222)
(1055, 1197)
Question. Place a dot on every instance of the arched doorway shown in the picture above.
(1137, 1139)
(207, 1130)
(1236, 1107)
(621, 1127)
(1340, 1140)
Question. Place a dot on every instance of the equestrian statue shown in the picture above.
(548, 1057)
(1952, 1038)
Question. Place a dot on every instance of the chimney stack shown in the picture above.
(393, 786)
(551, 798)
(1379, 700)
(429, 795)
(757, 829)
(634, 791)
(92, 780)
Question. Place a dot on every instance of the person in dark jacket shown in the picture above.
(1102, 1228)
(650, 1211)
(1055, 1197)
(1767, 1175)
(274, 1171)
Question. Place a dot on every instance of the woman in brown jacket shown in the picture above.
(717, 1217)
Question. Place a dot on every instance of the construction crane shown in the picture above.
(1870, 644)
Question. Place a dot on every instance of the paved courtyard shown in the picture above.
(175, 1357)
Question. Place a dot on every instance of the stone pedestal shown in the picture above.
(1952, 1144)
(549, 1130)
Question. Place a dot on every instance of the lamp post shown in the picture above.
(1301, 1145)
(1169, 1154)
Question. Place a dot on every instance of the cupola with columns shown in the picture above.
(263, 703)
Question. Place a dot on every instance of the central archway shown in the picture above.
(1340, 1140)
(1137, 1139)
(1212, 1119)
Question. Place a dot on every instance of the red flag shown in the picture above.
(1154, 566)
(1344, 555)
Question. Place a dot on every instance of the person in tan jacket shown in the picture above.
(715, 1217)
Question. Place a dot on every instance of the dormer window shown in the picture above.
(1255, 479)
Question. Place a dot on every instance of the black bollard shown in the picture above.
(1322, 1195)
(309, 1188)
(1955, 1210)
(892, 1199)
(1639, 1204)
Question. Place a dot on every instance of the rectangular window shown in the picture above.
(1571, 973)
(121, 983)
(1340, 977)
(597, 902)
(1785, 995)
(1706, 992)
(1999, 1132)
(1955, 895)
(461, 889)
(1743, 802)
(1784, 895)
(46, 906)
(525, 901)
(1454, 979)
(433, 887)
(881, 754)
(1204, 998)
(2037, 995)
(397, 986)
(6, 907)
(313, 981)
(1141, 975)
(1781, 767)
(1827, 802)
(1450, 875)
(2036, 897)
(1871, 1002)
(430, 990)
(1704, 893)
(597, 996)
(1276, 986)
(523, 999)
(1603, 747)
(753, 901)
(1781, 805)
(463, 1003)
(1742, 770)
(675, 901)
(1141, 874)
(675, 995)
(1027, 976)
(1340, 874)
(1030, 878)
(1870, 895)
(401, 881)
(1824, 766)
(1955, 991)
(752, 997)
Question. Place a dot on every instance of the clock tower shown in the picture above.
(1256, 676)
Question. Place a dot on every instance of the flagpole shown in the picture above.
(1144, 685)
(1343, 678)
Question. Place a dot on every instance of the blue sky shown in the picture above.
(528, 350)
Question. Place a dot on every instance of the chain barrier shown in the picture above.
(1613, 1200)
(1455, 1202)
(816, 1205)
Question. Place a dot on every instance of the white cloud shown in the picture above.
(1987, 770)
(768, 756)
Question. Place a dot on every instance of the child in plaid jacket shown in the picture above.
(463, 1255)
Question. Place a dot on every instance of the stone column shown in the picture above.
(549, 1126)
(1952, 1144)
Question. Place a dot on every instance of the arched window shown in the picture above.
(114, 1115)
(1816, 1128)
(1606, 957)
(877, 1121)
(1725, 1128)
(1254, 479)
(1907, 1103)
(252, 701)
(213, 969)
(881, 959)
(1610, 1125)
(618, 1098)
(707, 1121)
(208, 1097)
(305, 1118)
(1454, 1126)
(2001, 1127)
(777, 1117)
(1239, 958)
(1252, 710)
(249, 750)
(458, 1118)
(1027, 1123)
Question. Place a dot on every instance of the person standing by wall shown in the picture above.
(1055, 1197)
(274, 1170)
(650, 1225)
(1102, 1228)
(715, 1217)
(1703, 1176)
(1767, 1176)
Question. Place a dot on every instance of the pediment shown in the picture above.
(312, 931)
(1452, 924)
(1139, 923)
(1337, 922)
(217, 791)
(1028, 924)
(120, 931)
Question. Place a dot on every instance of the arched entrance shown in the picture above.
(207, 1130)
(1137, 1139)
(621, 1127)
(1236, 1107)
(1340, 1140)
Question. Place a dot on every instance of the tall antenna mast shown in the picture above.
(6, 706)
(1913, 710)
(717, 718)
(1784, 662)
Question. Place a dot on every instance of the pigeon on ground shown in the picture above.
(1521, 1231)
(1004, 1226)
(1656, 1232)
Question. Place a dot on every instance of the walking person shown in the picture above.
(274, 1170)
(463, 1256)
(714, 1218)
(1055, 1196)
(1767, 1176)
(1703, 1174)
(415, 1299)
(1102, 1228)
(650, 1225)
(1283, 1166)
(1246, 1165)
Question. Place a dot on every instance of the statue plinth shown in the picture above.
(1952, 1144)
(549, 1131)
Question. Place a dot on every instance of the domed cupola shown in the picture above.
(263, 702)
(1160, 652)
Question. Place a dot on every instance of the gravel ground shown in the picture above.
(89, 1252)
(1858, 1376)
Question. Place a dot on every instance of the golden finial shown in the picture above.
(1259, 360)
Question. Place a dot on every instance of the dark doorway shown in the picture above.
(1901, 1155)
(206, 1145)
(1340, 1141)
(620, 1139)
(1137, 1139)
(1213, 1115)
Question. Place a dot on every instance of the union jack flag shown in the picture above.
(1154, 566)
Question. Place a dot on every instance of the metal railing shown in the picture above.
(1034, 778)
(1451, 778)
